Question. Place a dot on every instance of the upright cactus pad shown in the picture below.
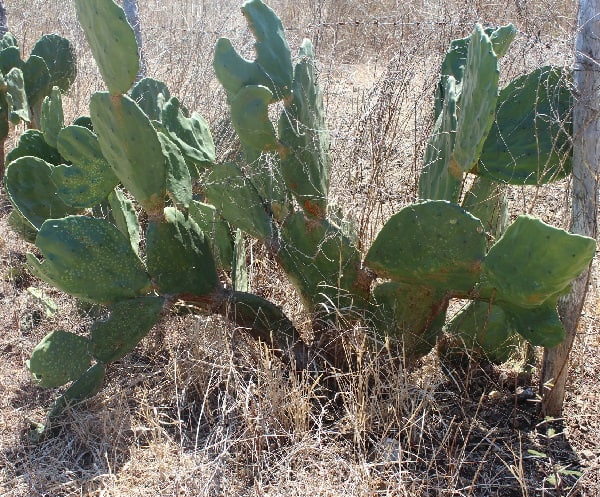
(216, 229)
(238, 201)
(273, 65)
(124, 217)
(477, 100)
(59, 55)
(38, 82)
(529, 143)
(89, 258)
(90, 179)
(191, 134)
(305, 161)
(321, 263)
(487, 201)
(539, 325)
(482, 329)
(179, 181)
(441, 178)
(16, 98)
(179, 257)
(53, 119)
(132, 148)
(112, 42)
(59, 358)
(435, 244)
(129, 322)
(151, 96)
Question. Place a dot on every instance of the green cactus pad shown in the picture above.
(250, 118)
(112, 42)
(501, 38)
(263, 318)
(59, 55)
(434, 243)
(18, 108)
(8, 40)
(539, 325)
(441, 178)
(217, 231)
(84, 121)
(487, 201)
(191, 134)
(59, 358)
(129, 322)
(31, 190)
(89, 258)
(21, 226)
(132, 148)
(477, 100)
(124, 217)
(483, 329)
(179, 181)
(238, 201)
(179, 257)
(151, 96)
(10, 58)
(534, 262)
(305, 163)
(530, 143)
(273, 65)
(53, 119)
(413, 315)
(32, 143)
(90, 179)
(321, 263)
(37, 80)
(239, 269)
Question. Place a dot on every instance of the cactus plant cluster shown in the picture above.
(24, 85)
(77, 188)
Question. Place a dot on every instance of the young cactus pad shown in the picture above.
(112, 42)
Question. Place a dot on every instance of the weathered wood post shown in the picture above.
(586, 167)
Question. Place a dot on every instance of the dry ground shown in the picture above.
(196, 410)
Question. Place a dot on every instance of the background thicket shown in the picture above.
(196, 410)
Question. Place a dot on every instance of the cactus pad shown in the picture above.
(179, 257)
(217, 231)
(530, 142)
(89, 179)
(273, 65)
(31, 190)
(53, 119)
(112, 42)
(321, 263)
(59, 55)
(434, 243)
(151, 96)
(132, 148)
(412, 315)
(179, 181)
(305, 161)
(534, 262)
(191, 134)
(124, 217)
(89, 258)
(32, 143)
(238, 201)
(129, 322)
(539, 325)
(59, 358)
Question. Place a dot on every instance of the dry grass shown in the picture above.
(197, 409)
